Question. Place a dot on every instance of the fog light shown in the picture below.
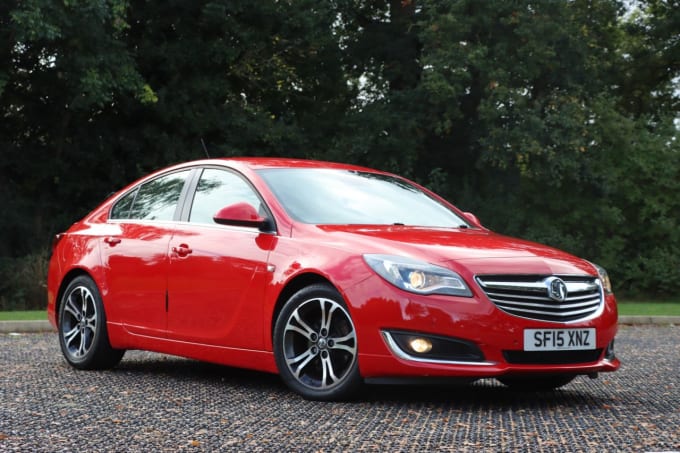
(420, 345)
(425, 347)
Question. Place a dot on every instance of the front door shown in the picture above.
(218, 273)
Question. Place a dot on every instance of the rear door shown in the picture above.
(136, 258)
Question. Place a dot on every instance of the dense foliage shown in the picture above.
(555, 121)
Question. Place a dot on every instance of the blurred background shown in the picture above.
(556, 121)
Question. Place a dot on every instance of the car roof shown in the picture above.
(258, 163)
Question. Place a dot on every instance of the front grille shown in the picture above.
(551, 357)
(528, 296)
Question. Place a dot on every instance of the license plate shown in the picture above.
(559, 339)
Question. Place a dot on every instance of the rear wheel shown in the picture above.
(536, 384)
(83, 336)
(315, 345)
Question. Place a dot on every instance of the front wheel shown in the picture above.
(537, 384)
(83, 336)
(315, 345)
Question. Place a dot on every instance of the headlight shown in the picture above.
(418, 276)
(604, 278)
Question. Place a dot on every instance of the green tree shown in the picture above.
(96, 93)
(246, 78)
(650, 53)
(523, 113)
(556, 121)
(64, 63)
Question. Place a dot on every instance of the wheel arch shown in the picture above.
(312, 289)
(291, 287)
(68, 278)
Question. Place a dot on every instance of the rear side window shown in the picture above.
(155, 200)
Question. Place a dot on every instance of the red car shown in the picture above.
(330, 275)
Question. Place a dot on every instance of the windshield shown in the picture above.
(343, 197)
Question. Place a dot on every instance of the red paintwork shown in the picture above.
(223, 284)
(238, 214)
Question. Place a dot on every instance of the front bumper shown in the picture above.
(476, 321)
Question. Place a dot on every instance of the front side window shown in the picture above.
(154, 200)
(217, 189)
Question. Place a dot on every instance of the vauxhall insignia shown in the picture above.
(557, 289)
(389, 318)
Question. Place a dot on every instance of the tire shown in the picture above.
(537, 384)
(83, 336)
(315, 345)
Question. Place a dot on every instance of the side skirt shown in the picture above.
(121, 338)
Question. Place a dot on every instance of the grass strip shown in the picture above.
(626, 308)
(649, 308)
(26, 315)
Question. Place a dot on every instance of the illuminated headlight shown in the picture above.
(418, 276)
(604, 279)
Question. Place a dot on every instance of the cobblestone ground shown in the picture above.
(152, 402)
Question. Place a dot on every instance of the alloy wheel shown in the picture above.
(319, 343)
(79, 322)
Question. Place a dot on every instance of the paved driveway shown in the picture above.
(153, 402)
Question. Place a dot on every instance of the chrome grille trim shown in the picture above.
(527, 296)
(520, 304)
(521, 299)
(563, 313)
(538, 286)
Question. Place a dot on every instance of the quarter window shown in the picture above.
(121, 210)
(217, 189)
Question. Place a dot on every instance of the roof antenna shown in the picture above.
(205, 148)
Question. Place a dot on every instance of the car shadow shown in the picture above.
(489, 394)
(485, 393)
(181, 369)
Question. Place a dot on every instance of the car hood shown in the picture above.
(481, 251)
